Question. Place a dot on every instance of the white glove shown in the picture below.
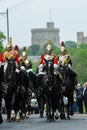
(0, 64)
(17, 70)
(69, 65)
(41, 66)
(65, 100)
(55, 66)
(29, 70)
(22, 68)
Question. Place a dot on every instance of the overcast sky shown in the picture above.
(70, 16)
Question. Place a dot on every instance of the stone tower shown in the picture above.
(40, 36)
(80, 36)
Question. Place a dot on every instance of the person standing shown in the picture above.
(79, 97)
(85, 95)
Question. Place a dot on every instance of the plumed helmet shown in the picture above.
(49, 47)
(24, 53)
(9, 44)
(62, 46)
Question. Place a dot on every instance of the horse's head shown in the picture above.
(49, 71)
(64, 70)
(49, 67)
(10, 69)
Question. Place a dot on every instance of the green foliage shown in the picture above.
(80, 64)
(35, 66)
(35, 49)
(71, 44)
(29, 51)
(83, 46)
(2, 37)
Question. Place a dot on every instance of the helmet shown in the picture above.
(24, 53)
(62, 46)
(49, 47)
(9, 44)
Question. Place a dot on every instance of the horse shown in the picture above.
(2, 89)
(23, 96)
(1, 120)
(50, 88)
(10, 81)
(68, 87)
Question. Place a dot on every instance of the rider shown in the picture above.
(64, 58)
(25, 64)
(47, 56)
(10, 54)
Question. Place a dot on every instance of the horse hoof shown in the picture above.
(56, 117)
(17, 119)
(71, 113)
(62, 116)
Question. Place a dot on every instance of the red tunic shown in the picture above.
(43, 57)
(7, 54)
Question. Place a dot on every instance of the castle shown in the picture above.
(40, 36)
(81, 38)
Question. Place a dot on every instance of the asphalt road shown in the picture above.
(77, 122)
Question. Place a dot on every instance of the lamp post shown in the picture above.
(7, 15)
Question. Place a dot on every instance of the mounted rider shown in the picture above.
(26, 65)
(47, 56)
(10, 54)
(64, 59)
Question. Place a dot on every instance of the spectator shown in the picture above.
(85, 95)
(79, 98)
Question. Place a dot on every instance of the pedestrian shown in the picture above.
(79, 97)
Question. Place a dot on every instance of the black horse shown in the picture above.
(10, 81)
(2, 89)
(50, 88)
(23, 95)
(68, 87)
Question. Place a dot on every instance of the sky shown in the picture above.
(70, 16)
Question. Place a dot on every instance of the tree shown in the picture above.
(2, 37)
(35, 49)
(71, 44)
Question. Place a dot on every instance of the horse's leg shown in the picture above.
(1, 120)
(41, 105)
(71, 106)
(23, 109)
(13, 107)
(8, 106)
(49, 108)
(61, 108)
(68, 108)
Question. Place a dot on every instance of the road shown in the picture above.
(77, 122)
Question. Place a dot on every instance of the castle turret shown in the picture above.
(80, 36)
(40, 36)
